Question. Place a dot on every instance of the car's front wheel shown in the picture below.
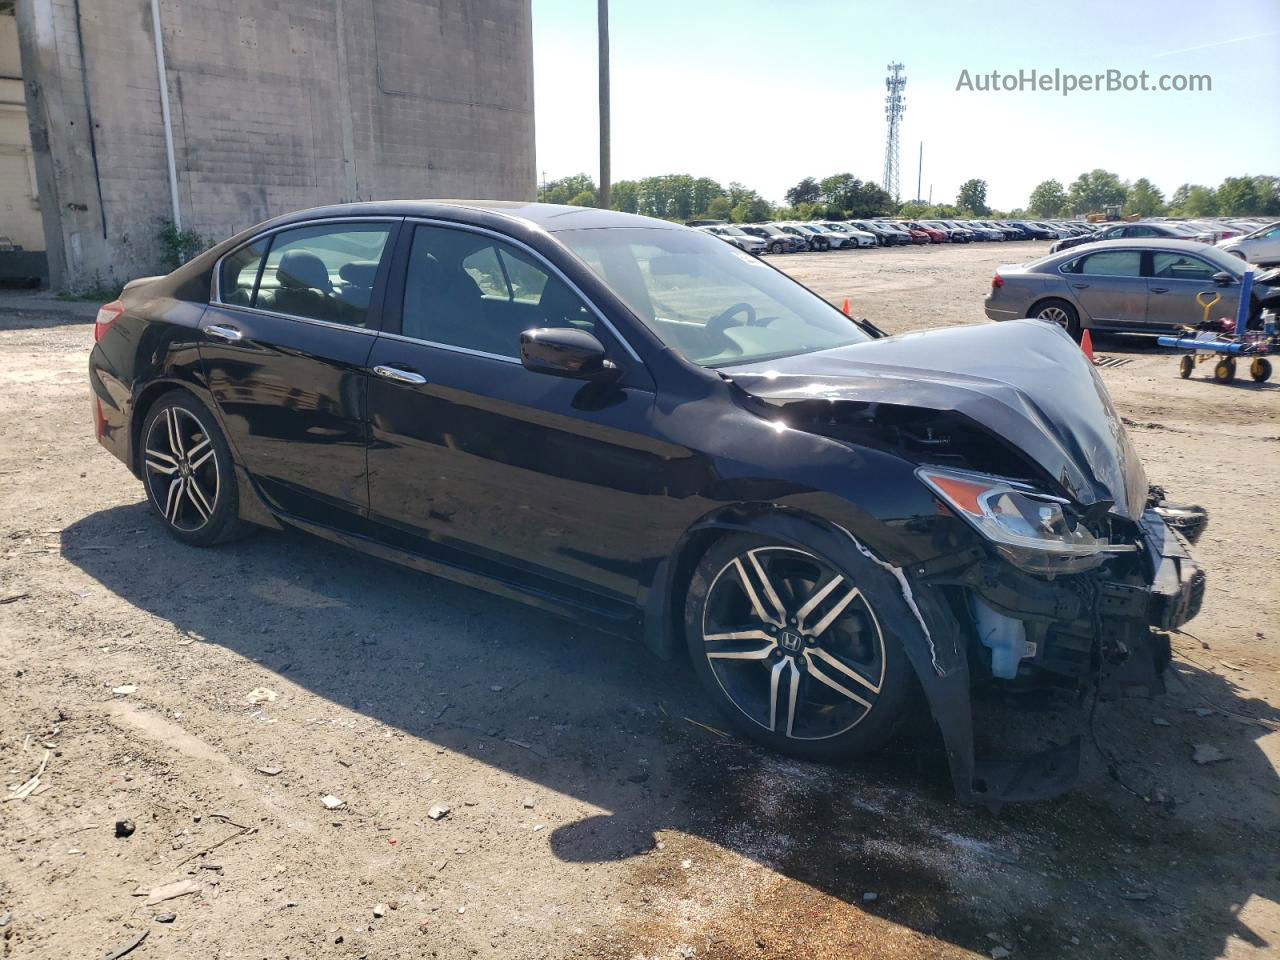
(188, 472)
(796, 652)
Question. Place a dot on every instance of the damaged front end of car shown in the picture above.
(1059, 569)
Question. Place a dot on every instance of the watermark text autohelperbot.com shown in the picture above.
(1064, 83)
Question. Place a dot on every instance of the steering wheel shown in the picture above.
(720, 323)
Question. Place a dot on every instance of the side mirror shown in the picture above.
(1223, 279)
(566, 352)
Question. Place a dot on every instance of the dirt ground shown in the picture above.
(213, 698)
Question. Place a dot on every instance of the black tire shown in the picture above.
(822, 245)
(1260, 370)
(809, 717)
(1060, 312)
(1186, 366)
(1224, 371)
(190, 480)
(775, 248)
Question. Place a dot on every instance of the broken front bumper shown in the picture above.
(1119, 642)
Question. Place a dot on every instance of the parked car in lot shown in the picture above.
(885, 236)
(917, 237)
(629, 424)
(981, 231)
(1035, 231)
(777, 241)
(861, 238)
(935, 234)
(954, 234)
(900, 233)
(1142, 230)
(819, 237)
(739, 238)
(1134, 286)
(1261, 247)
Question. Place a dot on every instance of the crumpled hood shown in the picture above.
(1024, 380)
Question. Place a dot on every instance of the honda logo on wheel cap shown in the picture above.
(790, 640)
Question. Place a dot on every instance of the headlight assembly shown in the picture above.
(1028, 528)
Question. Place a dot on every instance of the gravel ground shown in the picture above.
(215, 698)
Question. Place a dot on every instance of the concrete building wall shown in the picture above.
(19, 202)
(274, 107)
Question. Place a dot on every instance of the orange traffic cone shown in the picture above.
(1086, 344)
(845, 308)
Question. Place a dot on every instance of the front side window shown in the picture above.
(324, 272)
(473, 291)
(713, 303)
(1180, 266)
(1112, 263)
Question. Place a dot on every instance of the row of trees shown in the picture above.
(679, 196)
(843, 196)
(1091, 192)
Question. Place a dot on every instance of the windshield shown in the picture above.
(714, 304)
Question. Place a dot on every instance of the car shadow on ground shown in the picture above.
(597, 718)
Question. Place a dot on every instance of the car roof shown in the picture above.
(550, 217)
(1137, 243)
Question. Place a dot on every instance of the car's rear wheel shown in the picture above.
(794, 650)
(188, 472)
(1059, 312)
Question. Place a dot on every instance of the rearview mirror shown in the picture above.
(565, 352)
(1223, 279)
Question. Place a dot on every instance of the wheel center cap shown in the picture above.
(790, 641)
(184, 469)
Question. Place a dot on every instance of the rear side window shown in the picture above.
(323, 272)
(1113, 263)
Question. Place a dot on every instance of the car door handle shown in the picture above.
(399, 375)
(1081, 286)
(1159, 289)
(224, 331)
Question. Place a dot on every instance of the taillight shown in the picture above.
(107, 315)
(997, 282)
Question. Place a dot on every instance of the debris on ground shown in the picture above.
(171, 891)
(1207, 753)
(270, 771)
(870, 897)
(438, 812)
(380, 910)
(125, 828)
(120, 951)
(1135, 895)
(261, 695)
(24, 790)
(124, 690)
(331, 802)
(527, 803)
(1160, 721)
(165, 917)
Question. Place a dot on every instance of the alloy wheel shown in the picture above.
(181, 469)
(1054, 315)
(794, 644)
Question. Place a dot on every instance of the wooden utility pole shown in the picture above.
(603, 200)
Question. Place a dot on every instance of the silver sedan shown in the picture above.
(1147, 286)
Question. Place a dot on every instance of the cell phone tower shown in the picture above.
(894, 104)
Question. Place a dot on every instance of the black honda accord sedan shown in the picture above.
(633, 424)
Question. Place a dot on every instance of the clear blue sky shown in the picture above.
(770, 91)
